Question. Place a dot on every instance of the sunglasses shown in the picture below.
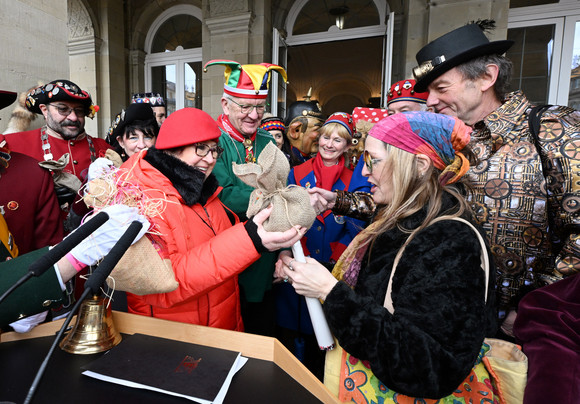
(65, 111)
(370, 162)
(202, 150)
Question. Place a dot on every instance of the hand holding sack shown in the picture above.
(92, 249)
(269, 176)
(141, 270)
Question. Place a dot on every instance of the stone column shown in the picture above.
(233, 31)
(137, 75)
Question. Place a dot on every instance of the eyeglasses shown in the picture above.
(201, 149)
(369, 162)
(247, 109)
(63, 110)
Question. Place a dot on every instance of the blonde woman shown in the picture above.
(432, 339)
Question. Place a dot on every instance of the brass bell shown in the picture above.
(93, 331)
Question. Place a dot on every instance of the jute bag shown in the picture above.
(269, 175)
(141, 270)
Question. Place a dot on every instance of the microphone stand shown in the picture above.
(45, 262)
(93, 284)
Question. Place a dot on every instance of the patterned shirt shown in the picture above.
(527, 195)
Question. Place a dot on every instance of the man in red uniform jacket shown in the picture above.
(62, 145)
(32, 216)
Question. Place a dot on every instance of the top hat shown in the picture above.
(59, 90)
(187, 126)
(6, 98)
(247, 81)
(155, 99)
(404, 90)
(452, 49)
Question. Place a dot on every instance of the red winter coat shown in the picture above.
(206, 265)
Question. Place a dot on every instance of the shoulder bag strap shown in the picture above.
(484, 259)
(534, 120)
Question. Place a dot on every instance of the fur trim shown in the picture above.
(21, 118)
(187, 180)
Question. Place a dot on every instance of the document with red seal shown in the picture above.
(196, 372)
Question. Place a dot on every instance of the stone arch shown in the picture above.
(83, 48)
(143, 23)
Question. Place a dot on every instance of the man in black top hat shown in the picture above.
(526, 193)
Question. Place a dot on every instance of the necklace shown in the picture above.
(47, 151)
(249, 145)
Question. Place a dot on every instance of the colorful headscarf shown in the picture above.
(439, 137)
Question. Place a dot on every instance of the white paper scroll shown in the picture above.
(321, 330)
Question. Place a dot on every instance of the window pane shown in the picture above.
(574, 97)
(192, 85)
(531, 55)
(319, 16)
(181, 30)
(163, 82)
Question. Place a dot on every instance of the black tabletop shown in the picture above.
(257, 382)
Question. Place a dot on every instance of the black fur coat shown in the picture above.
(427, 348)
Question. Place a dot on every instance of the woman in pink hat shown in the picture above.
(204, 241)
(409, 300)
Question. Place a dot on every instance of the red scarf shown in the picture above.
(224, 122)
(326, 177)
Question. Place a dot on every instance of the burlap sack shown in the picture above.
(142, 271)
(269, 176)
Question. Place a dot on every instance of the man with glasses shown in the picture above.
(61, 145)
(243, 103)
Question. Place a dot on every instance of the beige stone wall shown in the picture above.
(234, 31)
(429, 20)
(33, 45)
(111, 77)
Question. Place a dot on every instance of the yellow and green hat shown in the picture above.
(247, 81)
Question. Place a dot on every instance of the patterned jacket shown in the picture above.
(527, 195)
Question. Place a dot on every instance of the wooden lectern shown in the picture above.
(272, 375)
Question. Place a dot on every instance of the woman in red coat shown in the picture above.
(207, 245)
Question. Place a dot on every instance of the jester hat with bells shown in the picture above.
(247, 81)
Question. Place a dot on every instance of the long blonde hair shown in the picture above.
(411, 191)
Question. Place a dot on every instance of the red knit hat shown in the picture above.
(186, 126)
(341, 118)
(247, 81)
(404, 90)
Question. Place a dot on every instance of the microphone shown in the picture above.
(47, 261)
(93, 284)
(40, 266)
(104, 269)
